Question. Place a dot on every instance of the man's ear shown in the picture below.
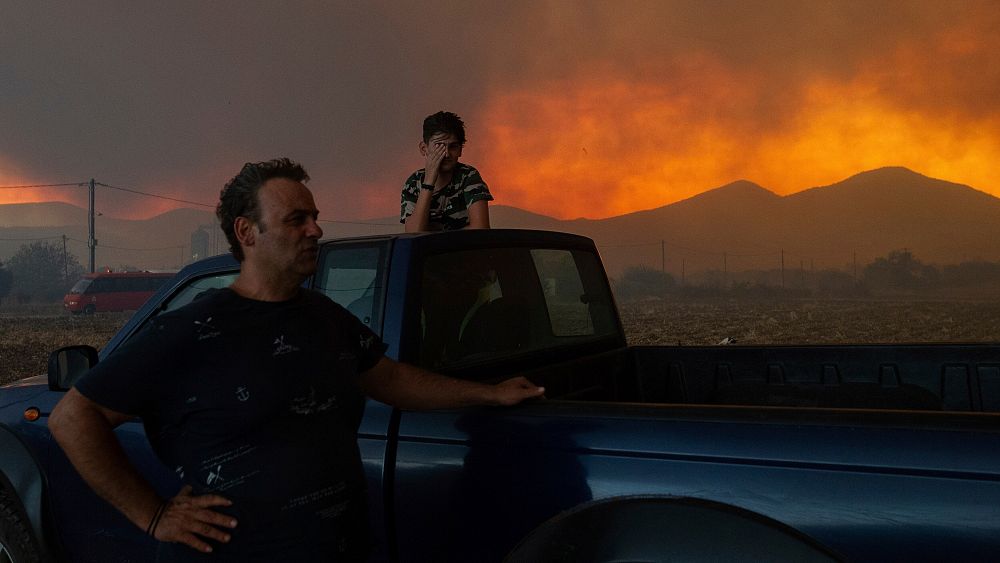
(423, 148)
(245, 232)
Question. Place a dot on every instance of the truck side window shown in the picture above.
(481, 305)
(353, 276)
(191, 291)
(562, 287)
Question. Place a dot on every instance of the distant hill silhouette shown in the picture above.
(744, 226)
(737, 226)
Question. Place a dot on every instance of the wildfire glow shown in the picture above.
(600, 146)
(652, 152)
(618, 119)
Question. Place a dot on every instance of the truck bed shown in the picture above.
(880, 453)
(945, 377)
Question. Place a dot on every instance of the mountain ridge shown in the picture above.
(739, 225)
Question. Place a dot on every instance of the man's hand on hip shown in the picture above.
(187, 519)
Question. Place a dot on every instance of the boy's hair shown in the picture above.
(444, 122)
(239, 197)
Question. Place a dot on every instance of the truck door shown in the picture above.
(469, 484)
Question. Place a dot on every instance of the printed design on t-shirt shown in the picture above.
(367, 342)
(281, 348)
(215, 477)
(215, 471)
(205, 329)
(179, 470)
(309, 404)
(330, 491)
(242, 394)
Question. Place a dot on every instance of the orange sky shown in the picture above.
(597, 145)
(577, 109)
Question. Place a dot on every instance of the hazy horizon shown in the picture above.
(156, 211)
(737, 227)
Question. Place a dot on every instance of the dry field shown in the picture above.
(28, 334)
(825, 321)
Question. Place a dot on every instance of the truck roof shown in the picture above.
(441, 239)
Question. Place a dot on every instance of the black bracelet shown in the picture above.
(427, 187)
(151, 529)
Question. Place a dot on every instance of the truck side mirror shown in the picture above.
(66, 365)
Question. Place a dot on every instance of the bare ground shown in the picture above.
(29, 333)
(810, 322)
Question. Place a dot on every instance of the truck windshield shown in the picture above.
(480, 305)
(81, 286)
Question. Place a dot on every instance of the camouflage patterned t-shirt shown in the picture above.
(450, 206)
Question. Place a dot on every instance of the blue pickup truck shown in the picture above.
(643, 453)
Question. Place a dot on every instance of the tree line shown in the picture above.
(899, 273)
(38, 272)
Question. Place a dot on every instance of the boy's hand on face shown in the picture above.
(435, 152)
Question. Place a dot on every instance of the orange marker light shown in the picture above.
(32, 414)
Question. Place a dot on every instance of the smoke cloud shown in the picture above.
(573, 108)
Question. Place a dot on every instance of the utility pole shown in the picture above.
(782, 268)
(91, 241)
(65, 263)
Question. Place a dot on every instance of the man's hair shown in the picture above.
(444, 122)
(239, 197)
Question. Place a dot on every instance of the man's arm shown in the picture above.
(85, 430)
(409, 387)
(479, 215)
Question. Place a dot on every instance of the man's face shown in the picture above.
(285, 239)
(451, 143)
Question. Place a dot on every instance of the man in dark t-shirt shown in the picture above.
(253, 395)
(280, 373)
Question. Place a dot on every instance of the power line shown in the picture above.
(175, 247)
(131, 191)
(758, 255)
(687, 249)
(78, 184)
(178, 200)
(30, 239)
